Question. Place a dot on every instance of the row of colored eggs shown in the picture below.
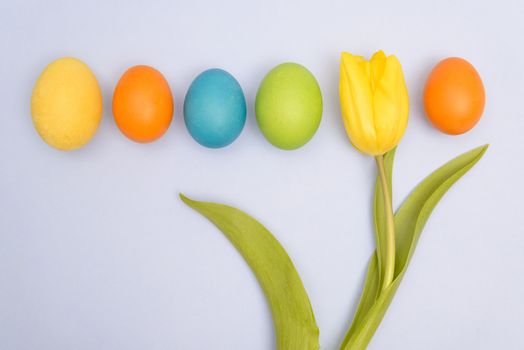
(66, 105)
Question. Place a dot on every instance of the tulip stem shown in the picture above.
(389, 265)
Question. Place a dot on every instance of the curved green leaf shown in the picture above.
(412, 216)
(295, 325)
(367, 298)
(379, 215)
(410, 219)
(374, 274)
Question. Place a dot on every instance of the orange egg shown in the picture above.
(142, 104)
(454, 96)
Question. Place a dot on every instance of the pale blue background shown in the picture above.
(97, 252)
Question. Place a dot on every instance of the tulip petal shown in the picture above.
(390, 105)
(378, 64)
(356, 102)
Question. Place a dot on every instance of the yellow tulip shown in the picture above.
(374, 101)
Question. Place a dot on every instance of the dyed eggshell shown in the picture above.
(215, 108)
(454, 96)
(66, 104)
(288, 106)
(143, 104)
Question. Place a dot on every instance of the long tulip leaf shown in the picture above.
(410, 220)
(412, 216)
(367, 298)
(379, 214)
(374, 273)
(294, 322)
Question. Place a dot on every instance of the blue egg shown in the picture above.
(215, 108)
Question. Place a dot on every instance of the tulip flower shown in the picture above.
(375, 106)
(374, 101)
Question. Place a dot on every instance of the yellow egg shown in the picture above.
(66, 105)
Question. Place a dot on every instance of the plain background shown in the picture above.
(98, 252)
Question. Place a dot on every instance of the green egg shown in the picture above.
(288, 106)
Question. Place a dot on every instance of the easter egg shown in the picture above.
(454, 96)
(142, 104)
(215, 108)
(66, 104)
(288, 106)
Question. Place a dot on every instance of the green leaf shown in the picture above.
(367, 298)
(412, 216)
(379, 214)
(410, 219)
(374, 274)
(295, 325)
